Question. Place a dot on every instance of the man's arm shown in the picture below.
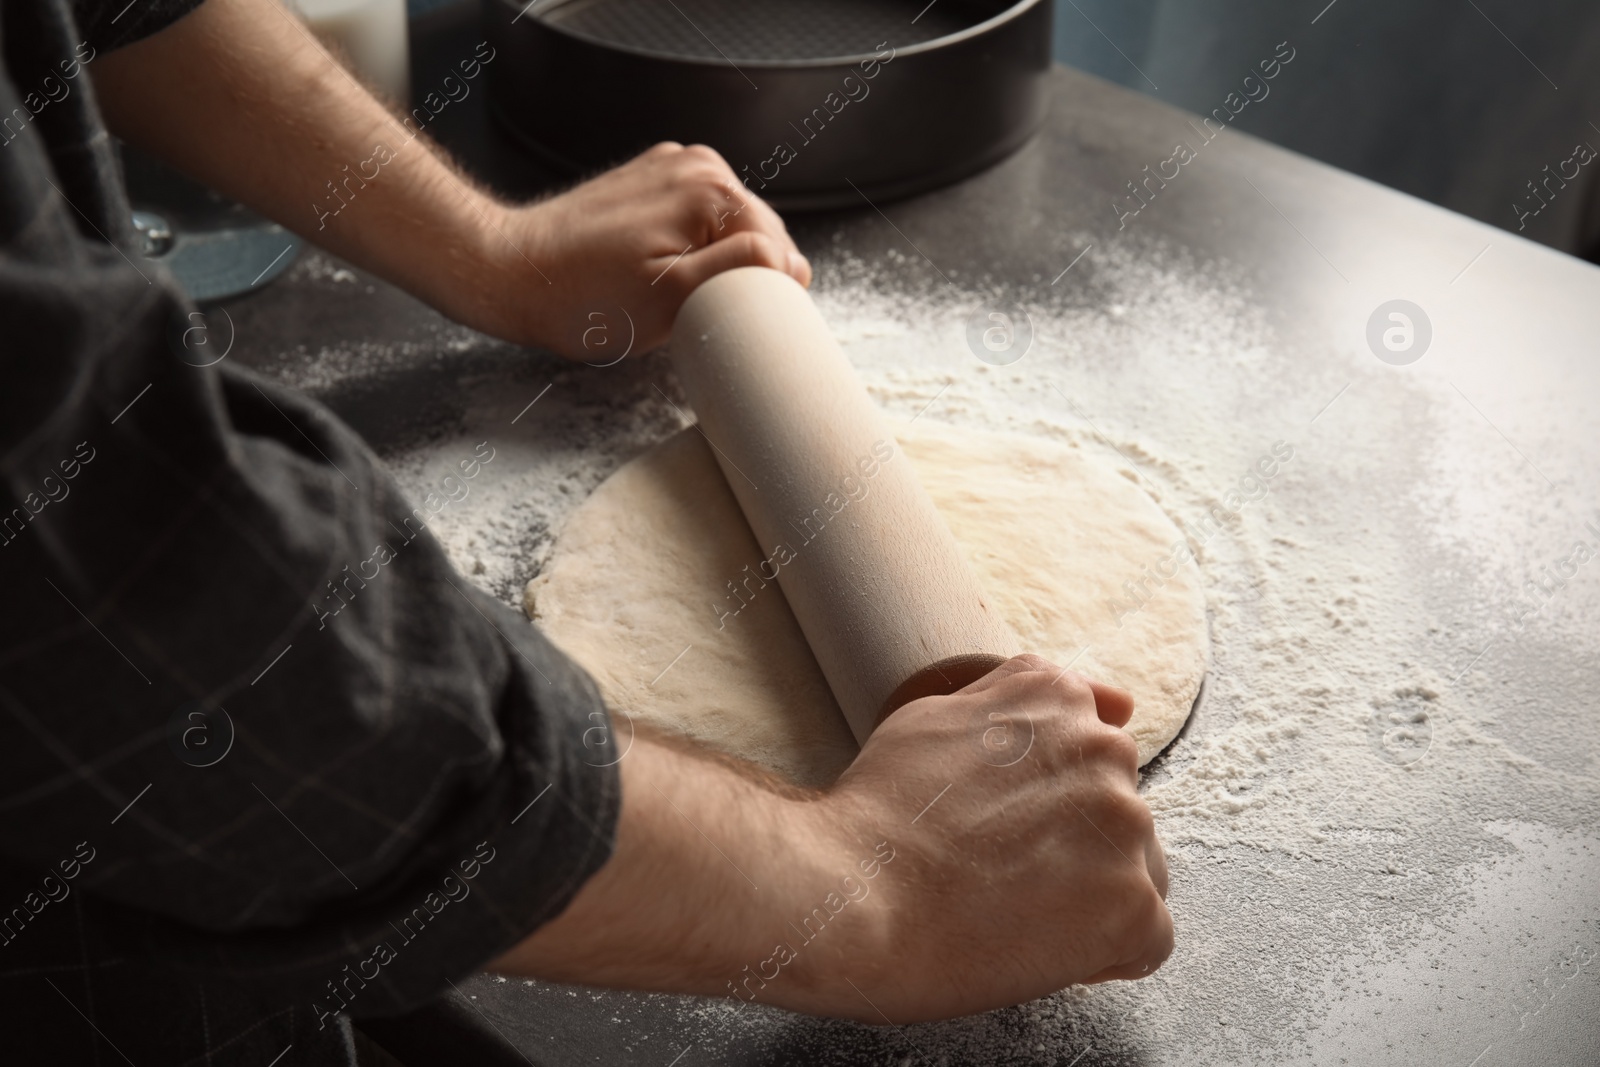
(239, 95)
(927, 883)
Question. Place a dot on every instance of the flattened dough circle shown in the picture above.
(637, 591)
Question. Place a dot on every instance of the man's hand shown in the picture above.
(617, 255)
(239, 95)
(1025, 860)
(941, 876)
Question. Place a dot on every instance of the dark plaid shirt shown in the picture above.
(230, 819)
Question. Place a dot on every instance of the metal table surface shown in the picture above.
(1497, 967)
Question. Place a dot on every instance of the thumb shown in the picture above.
(744, 249)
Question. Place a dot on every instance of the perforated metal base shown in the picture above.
(757, 30)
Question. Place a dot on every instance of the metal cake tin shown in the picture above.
(815, 103)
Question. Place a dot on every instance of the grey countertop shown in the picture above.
(1439, 907)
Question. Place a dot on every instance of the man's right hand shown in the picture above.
(1036, 867)
(1020, 860)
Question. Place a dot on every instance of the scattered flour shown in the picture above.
(1327, 808)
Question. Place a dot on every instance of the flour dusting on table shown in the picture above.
(1322, 795)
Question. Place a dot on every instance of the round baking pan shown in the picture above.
(815, 103)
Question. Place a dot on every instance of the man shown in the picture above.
(398, 795)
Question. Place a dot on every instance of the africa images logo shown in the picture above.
(1399, 332)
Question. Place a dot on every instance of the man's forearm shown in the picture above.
(926, 882)
(240, 96)
(711, 867)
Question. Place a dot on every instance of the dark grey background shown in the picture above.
(1459, 102)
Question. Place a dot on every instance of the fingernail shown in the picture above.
(797, 264)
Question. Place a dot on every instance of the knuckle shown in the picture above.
(1166, 939)
(1121, 747)
(1089, 745)
(1160, 873)
(1073, 692)
(712, 181)
(1146, 923)
(1131, 817)
(1154, 938)
(706, 153)
(703, 188)
(1098, 743)
(1140, 822)
(1169, 939)
(759, 248)
(1029, 661)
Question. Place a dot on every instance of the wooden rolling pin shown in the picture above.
(880, 588)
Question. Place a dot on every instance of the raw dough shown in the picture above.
(638, 590)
